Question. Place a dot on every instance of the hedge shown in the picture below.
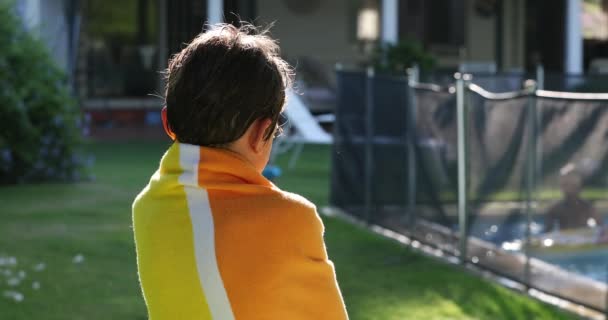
(40, 123)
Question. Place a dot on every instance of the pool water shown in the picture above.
(589, 262)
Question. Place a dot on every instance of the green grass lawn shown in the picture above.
(53, 223)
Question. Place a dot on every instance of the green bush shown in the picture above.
(395, 58)
(40, 123)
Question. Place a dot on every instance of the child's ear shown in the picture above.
(257, 138)
(163, 116)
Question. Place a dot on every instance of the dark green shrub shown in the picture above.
(39, 120)
(396, 58)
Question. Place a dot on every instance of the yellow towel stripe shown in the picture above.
(167, 264)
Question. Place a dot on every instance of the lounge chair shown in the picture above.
(301, 128)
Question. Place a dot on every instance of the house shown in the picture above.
(114, 50)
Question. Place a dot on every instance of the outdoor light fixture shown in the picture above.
(368, 30)
(368, 25)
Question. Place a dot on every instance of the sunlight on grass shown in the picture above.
(383, 280)
(82, 234)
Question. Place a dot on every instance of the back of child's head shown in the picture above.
(223, 81)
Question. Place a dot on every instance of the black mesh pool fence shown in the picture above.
(536, 178)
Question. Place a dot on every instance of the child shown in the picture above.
(214, 238)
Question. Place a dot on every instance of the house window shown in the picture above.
(435, 23)
(445, 22)
(120, 42)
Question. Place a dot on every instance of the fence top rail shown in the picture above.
(572, 95)
(498, 96)
(432, 87)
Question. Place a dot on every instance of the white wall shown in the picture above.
(30, 12)
(573, 57)
(323, 34)
(215, 11)
(481, 32)
(390, 21)
(514, 37)
(45, 19)
(54, 30)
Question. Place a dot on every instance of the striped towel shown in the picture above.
(216, 240)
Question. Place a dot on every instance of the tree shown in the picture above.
(40, 132)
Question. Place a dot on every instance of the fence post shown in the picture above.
(531, 167)
(462, 115)
(369, 144)
(540, 85)
(540, 77)
(413, 77)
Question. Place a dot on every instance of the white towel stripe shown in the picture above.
(204, 236)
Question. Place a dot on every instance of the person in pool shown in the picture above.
(572, 212)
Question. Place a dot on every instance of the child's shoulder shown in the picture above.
(293, 210)
(295, 201)
(287, 206)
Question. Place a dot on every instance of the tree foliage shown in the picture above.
(402, 55)
(40, 123)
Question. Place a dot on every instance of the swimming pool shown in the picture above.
(588, 261)
(591, 263)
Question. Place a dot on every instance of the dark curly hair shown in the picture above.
(223, 81)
